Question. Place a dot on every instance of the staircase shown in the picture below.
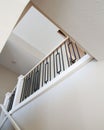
(62, 61)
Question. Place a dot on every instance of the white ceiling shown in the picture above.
(32, 39)
(82, 19)
(18, 56)
(38, 31)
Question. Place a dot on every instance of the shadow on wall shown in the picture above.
(8, 80)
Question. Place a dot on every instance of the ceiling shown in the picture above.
(38, 31)
(32, 39)
(82, 19)
(18, 56)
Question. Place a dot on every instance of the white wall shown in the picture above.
(82, 19)
(10, 11)
(77, 103)
(7, 126)
(8, 81)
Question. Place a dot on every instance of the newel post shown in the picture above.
(18, 90)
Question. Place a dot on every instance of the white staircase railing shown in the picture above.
(7, 115)
(60, 59)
